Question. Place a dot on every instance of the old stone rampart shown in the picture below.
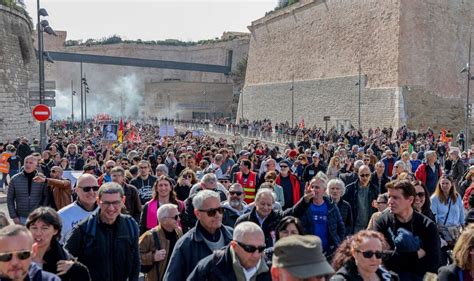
(17, 66)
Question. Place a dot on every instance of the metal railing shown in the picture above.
(252, 133)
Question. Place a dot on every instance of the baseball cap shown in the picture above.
(244, 152)
(316, 154)
(302, 256)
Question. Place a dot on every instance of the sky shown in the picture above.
(186, 20)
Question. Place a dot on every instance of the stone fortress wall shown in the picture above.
(115, 86)
(17, 66)
(411, 54)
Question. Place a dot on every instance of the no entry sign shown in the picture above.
(41, 112)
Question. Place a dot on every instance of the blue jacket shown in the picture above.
(36, 274)
(336, 228)
(188, 251)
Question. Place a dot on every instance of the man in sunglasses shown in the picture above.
(85, 204)
(107, 241)
(360, 195)
(199, 242)
(60, 188)
(168, 233)
(17, 249)
(242, 259)
(235, 206)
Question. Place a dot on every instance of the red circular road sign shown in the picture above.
(41, 112)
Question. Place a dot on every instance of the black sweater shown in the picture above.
(420, 226)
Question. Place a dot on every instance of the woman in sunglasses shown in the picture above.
(422, 204)
(185, 181)
(162, 194)
(360, 258)
(45, 225)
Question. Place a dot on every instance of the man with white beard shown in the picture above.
(235, 206)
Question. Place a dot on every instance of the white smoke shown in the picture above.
(120, 97)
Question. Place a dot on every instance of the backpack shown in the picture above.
(90, 229)
(147, 268)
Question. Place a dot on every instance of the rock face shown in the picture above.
(17, 66)
(411, 54)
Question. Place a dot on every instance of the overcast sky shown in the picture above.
(151, 19)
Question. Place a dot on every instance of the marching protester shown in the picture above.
(224, 217)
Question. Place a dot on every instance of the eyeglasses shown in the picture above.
(53, 172)
(283, 167)
(212, 212)
(250, 248)
(187, 177)
(175, 217)
(88, 188)
(144, 167)
(22, 255)
(224, 181)
(370, 254)
(364, 175)
(420, 194)
(109, 167)
(115, 204)
(382, 202)
(238, 193)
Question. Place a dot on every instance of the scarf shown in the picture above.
(151, 217)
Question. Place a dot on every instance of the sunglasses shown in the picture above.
(382, 202)
(283, 167)
(250, 248)
(420, 194)
(22, 255)
(238, 193)
(88, 188)
(187, 177)
(364, 175)
(175, 217)
(370, 254)
(213, 211)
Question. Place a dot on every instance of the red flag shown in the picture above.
(120, 131)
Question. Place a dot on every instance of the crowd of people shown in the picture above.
(378, 205)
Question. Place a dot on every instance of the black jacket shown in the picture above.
(375, 181)
(110, 252)
(219, 267)
(310, 171)
(351, 194)
(420, 226)
(188, 251)
(78, 271)
(349, 273)
(270, 223)
(132, 201)
(346, 213)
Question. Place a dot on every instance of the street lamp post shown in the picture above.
(292, 100)
(467, 120)
(82, 103)
(42, 26)
(359, 83)
(242, 94)
(73, 93)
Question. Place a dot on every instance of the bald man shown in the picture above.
(87, 189)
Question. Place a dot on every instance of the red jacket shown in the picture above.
(295, 183)
(420, 173)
